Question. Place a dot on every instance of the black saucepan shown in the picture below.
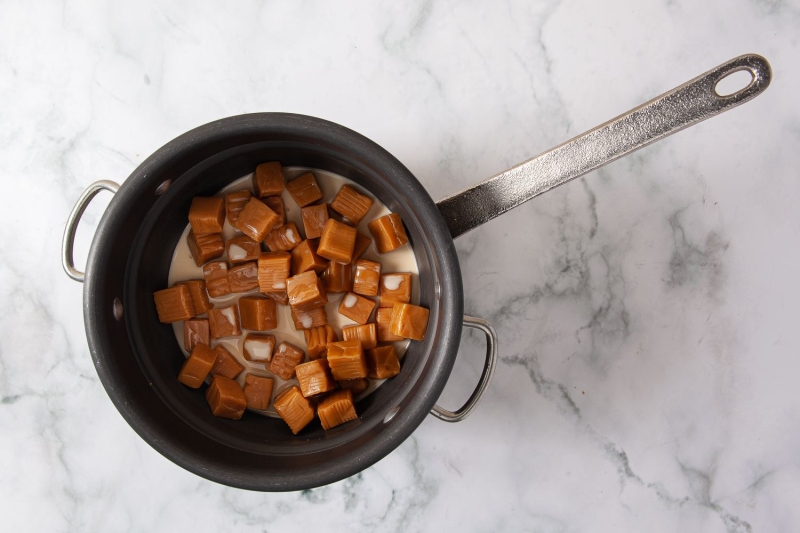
(137, 358)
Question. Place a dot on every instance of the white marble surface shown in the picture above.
(648, 379)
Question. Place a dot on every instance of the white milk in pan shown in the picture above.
(401, 260)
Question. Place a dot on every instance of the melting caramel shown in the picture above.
(257, 313)
(226, 398)
(366, 334)
(225, 364)
(268, 179)
(336, 409)
(314, 378)
(383, 362)
(304, 189)
(258, 391)
(351, 204)
(284, 360)
(256, 220)
(207, 214)
(366, 277)
(356, 307)
(337, 241)
(273, 270)
(347, 360)
(409, 321)
(204, 248)
(224, 322)
(216, 277)
(388, 232)
(306, 291)
(294, 408)
(314, 219)
(317, 340)
(197, 366)
(174, 304)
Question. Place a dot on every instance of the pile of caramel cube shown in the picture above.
(276, 263)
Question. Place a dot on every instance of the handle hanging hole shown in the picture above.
(117, 309)
(734, 82)
(161, 189)
(390, 415)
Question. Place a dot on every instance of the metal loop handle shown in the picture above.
(67, 244)
(488, 371)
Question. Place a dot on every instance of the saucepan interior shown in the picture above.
(138, 358)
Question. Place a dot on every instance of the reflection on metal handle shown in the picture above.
(680, 108)
(72, 225)
(488, 370)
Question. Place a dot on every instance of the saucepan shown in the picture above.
(137, 358)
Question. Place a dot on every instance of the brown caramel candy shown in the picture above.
(174, 304)
(204, 248)
(314, 219)
(383, 321)
(409, 321)
(366, 334)
(356, 308)
(197, 366)
(195, 331)
(258, 348)
(337, 242)
(314, 378)
(256, 220)
(338, 277)
(295, 409)
(258, 391)
(356, 385)
(244, 277)
(197, 290)
(280, 297)
(207, 214)
(224, 322)
(362, 243)
(283, 238)
(305, 258)
(284, 359)
(304, 189)
(268, 179)
(317, 340)
(388, 232)
(347, 360)
(351, 204)
(273, 270)
(383, 362)
(234, 203)
(258, 314)
(276, 204)
(306, 291)
(366, 277)
(336, 409)
(226, 364)
(309, 319)
(216, 276)
(242, 249)
(395, 287)
(226, 398)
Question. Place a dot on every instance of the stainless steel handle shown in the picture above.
(488, 370)
(72, 225)
(680, 108)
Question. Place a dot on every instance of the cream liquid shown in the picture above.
(401, 260)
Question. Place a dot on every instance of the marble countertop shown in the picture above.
(647, 380)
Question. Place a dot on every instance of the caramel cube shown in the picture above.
(317, 340)
(304, 189)
(295, 409)
(283, 238)
(244, 277)
(258, 314)
(388, 232)
(383, 321)
(383, 362)
(276, 204)
(284, 359)
(306, 291)
(337, 242)
(273, 270)
(305, 258)
(216, 276)
(314, 378)
(242, 249)
(338, 277)
(366, 277)
(174, 304)
(351, 204)
(256, 220)
(362, 243)
(204, 248)
(224, 322)
(366, 334)
(409, 321)
(314, 219)
(395, 287)
(358, 385)
(195, 331)
(347, 360)
(356, 308)
(309, 319)
(197, 366)
(207, 214)
(268, 179)
(197, 290)
(336, 409)
(258, 348)
(258, 391)
(234, 203)
(226, 364)
(280, 297)
(226, 398)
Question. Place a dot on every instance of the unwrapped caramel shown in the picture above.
(256, 220)
(306, 291)
(216, 277)
(258, 348)
(224, 322)
(336, 409)
(195, 331)
(174, 304)
(337, 242)
(388, 232)
(356, 308)
(317, 340)
(273, 270)
(276, 204)
(284, 360)
(204, 248)
(225, 364)
(314, 219)
(226, 398)
(338, 277)
(207, 215)
(314, 378)
(366, 277)
(197, 290)
(351, 204)
(308, 319)
(258, 391)
(235, 202)
(366, 334)
(395, 287)
(346, 360)
(244, 277)
(294, 408)
(283, 238)
(304, 189)
(268, 179)
(305, 258)
(197, 366)
(383, 325)
(361, 245)
(357, 385)
(242, 249)
(280, 297)
(257, 313)
(409, 321)
(383, 362)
